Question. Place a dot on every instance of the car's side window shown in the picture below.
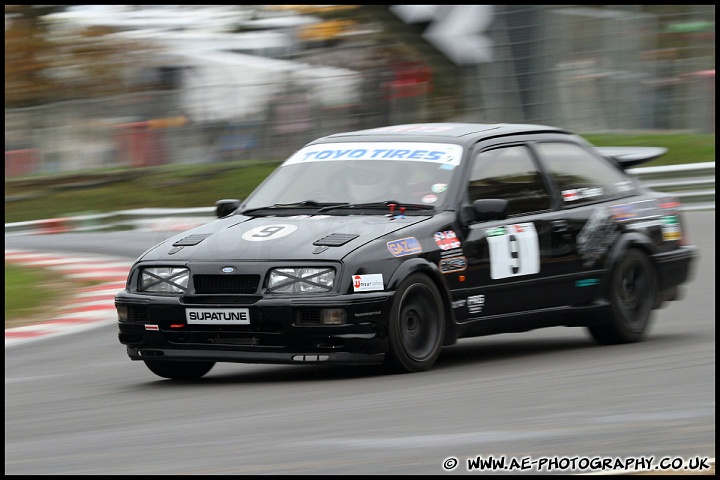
(508, 173)
(581, 177)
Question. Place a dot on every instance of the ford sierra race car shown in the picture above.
(382, 246)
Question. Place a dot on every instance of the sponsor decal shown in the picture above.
(646, 209)
(445, 154)
(368, 314)
(623, 213)
(580, 193)
(452, 264)
(439, 187)
(446, 240)
(458, 303)
(475, 303)
(570, 195)
(520, 227)
(367, 283)
(494, 232)
(404, 246)
(514, 250)
(588, 282)
(671, 228)
(215, 316)
(268, 232)
(431, 198)
(591, 192)
(596, 236)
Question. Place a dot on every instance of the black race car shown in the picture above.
(381, 246)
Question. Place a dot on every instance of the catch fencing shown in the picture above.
(606, 68)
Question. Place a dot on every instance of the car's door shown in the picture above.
(522, 262)
(590, 192)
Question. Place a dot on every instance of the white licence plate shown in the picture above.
(218, 316)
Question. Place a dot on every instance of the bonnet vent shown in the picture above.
(335, 239)
(191, 240)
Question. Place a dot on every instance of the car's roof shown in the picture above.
(441, 132)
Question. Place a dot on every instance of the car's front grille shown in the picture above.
(219, 299)
(228, 284)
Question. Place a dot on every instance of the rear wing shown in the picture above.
(628, 157)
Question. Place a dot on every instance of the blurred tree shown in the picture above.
(47, 63)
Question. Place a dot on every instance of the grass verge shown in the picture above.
(33, 294)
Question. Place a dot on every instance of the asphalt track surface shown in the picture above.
(75, 404)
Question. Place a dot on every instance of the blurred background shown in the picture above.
(99, 86)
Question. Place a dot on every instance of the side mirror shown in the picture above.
(486, 209)
(225, 207)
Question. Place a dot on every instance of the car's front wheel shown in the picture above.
(632, 295)
(417, 323)
(179, 370)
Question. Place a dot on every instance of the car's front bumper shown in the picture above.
(242, 356)
(155, 328)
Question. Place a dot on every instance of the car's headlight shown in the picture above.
(164, 279)
(300, 280)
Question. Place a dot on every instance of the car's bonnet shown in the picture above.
(310, 238)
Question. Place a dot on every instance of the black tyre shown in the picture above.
(417, 325)
(179, 370)
(632, 295)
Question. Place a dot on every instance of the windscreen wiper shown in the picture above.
(282, 206)
(392, 205)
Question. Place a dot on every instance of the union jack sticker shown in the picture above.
(446, 240)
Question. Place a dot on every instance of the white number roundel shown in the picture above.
(514, 253)
(268, 232)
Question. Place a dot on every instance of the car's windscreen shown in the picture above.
(361, 173)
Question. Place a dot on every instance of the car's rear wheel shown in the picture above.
(417, 323)
(179, 370)
(632, 295)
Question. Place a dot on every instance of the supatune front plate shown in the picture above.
(217, 316)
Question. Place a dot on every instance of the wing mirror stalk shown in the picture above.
(484, 209)
(225, 207)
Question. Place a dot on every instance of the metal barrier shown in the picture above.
(692, 184)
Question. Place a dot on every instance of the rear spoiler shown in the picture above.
(628, 157)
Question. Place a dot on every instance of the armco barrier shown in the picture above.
(693, 184)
